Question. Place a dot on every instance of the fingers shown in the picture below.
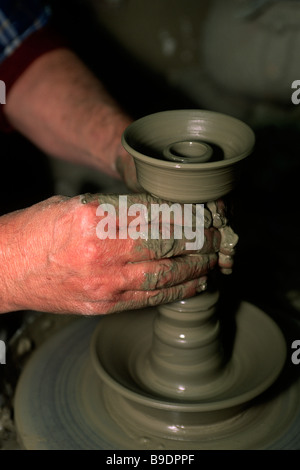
(229, 238)
(146, 284)
(225, 263)
(155, 249)
(218, 213)
(141, 299)
(153, 275)
(144, 247)
(153, 239)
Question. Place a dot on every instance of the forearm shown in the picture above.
(61, 106)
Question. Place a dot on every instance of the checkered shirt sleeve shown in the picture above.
(18, 20)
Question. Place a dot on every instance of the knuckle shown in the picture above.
(89, 251)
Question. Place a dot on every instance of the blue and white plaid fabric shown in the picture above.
(19, 19)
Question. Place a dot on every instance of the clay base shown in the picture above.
(60, 404)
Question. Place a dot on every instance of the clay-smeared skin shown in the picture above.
(58, 264)
(229, 238)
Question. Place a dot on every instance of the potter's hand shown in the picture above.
(53, 260)
(216, 217)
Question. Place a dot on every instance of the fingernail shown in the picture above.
(225, 260)
(229, 240)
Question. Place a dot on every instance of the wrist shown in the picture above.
(25, 238)
(12, 262)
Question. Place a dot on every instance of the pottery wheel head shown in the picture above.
(188, 155)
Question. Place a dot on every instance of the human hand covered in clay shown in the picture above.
(58, 264)
(216, 217)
